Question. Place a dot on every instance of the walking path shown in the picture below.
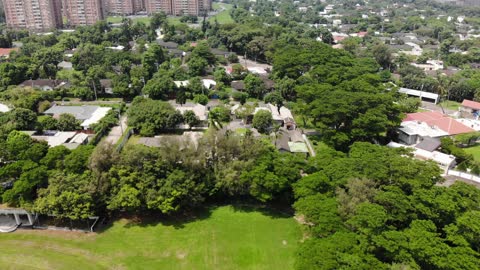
(117, 132)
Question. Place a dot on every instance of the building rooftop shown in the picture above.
(5, 52)
(429, 144)
(87, 114)
(199, 109)
(432, 124)
(471, 104)
(4, 108)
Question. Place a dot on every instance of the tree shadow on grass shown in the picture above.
(180, 220)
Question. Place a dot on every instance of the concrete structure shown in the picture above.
(11, 219)
(33, 14)
(89, 115)
(424, 96)
(83, 12)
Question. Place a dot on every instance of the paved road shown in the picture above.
(116, 132)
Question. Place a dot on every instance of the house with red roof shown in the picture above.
(416, 126)
(5, 52)
(470, 108)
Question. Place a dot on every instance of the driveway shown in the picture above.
(117, 131)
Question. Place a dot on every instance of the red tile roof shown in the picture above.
(471, 104)
(362, 34)
(5, 52)
(443, 122)
(423, 116)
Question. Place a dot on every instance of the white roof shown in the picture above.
(79, 138)
(181, 83)
(118, 48)
(257, 70)
(474, 124)
(58, 139)
(97, 115)
(207, 83)
(284, 112)
(422, 129)
(436, 156)
(418, 93)
(4, 108)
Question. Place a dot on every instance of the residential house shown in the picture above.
(69, 139)
(45, 84)
(88, 115)
(200, 111)
(291, 141)
(417, 126)
(444, 161)
(430, 65)
(5, 52)
(470, 108)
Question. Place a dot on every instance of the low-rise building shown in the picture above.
(45, 84)
(88, 115)
(69, 139)
(470, 108)
(416, 126)
(200, 111)
(444, 161)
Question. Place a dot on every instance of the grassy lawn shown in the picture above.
(475, 151)
(223, 16)
(223, 238)
(451, 105)
(118, 19)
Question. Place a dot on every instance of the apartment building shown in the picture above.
(123, 7)
(33, 14)
(83, 12)
(154, 6)
(178, 7)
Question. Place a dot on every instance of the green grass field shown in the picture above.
(118, 19)
(223, 238)
(451, 105)
(223, 16)
(475, 151)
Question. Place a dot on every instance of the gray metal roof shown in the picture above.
(429, 144)
(80, 112)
